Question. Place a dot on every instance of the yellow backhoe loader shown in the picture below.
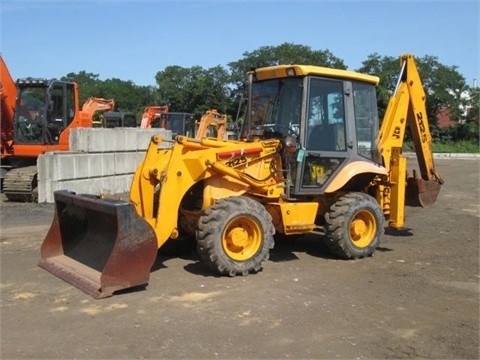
(312, 159)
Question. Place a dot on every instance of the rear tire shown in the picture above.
(234, 236)
(355, 224)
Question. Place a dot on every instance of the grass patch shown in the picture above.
(461, 147)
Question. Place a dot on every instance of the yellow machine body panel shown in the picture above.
(293, 218)
(280, 71)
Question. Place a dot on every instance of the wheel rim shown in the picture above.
(363, 228)
(242, 238)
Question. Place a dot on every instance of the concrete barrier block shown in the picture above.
(63, 166)
(122, 183)
(108, 164)
(95, 165)
(143, 139)
(140, 156)
(102, 140)
(125, 162)
(75, 140)
(116, 139)
(100, 161)
(44, 167)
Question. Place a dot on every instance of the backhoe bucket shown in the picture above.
(422, 192)
(99, 246)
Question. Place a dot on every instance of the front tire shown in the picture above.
(355, 224)
(234, 236)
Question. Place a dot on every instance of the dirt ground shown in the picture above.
(416, 298)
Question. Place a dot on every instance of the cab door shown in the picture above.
(325, 134)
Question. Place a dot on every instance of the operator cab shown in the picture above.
(44, 109)
(113, 119)
(180, 123)
(325, 119)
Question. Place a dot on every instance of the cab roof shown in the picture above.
(282, 71)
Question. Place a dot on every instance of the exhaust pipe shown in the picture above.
(100, 246)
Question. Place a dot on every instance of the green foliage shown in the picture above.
(127, 95)
(468, 132)
(194, 89)
(460, 147)
(463, 147)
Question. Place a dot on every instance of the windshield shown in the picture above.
(275, 108)
(30, 115)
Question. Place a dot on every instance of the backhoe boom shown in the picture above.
(407, 107)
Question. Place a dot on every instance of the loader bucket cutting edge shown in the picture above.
(99, 246)
(421, 192)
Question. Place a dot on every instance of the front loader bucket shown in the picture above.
(99, 246)
(422, 192)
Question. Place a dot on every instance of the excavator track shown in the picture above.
(20, 184)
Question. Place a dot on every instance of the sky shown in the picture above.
(132, 40)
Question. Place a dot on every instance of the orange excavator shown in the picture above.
(180, 123)
(37, 116)
(152, 115)
(94, 104)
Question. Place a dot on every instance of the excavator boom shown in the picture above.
(94, 104)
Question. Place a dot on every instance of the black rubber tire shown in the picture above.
(355, 224)
(234, 236)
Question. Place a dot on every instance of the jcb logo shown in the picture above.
(396, 133)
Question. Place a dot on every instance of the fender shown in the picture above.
(351, 170)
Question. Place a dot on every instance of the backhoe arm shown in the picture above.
(418, 122)
(407, 106)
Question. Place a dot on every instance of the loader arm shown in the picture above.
(407, 106)
(158, 187)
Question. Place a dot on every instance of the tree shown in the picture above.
(194, 89)
(88, 84)
(127, 95)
